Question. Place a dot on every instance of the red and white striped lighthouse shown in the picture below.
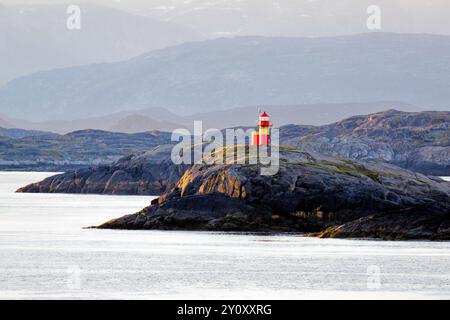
(262, 136)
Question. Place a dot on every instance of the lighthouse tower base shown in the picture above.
(260, 139)
(262, 136)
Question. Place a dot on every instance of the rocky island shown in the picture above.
(418, 141)
(325, 196)
(340, 180)
(25, 150)
(148, 173)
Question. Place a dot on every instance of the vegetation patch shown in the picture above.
(355, 170)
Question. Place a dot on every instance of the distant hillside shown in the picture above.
(138, 123)
(302, 114)
(5, 124)
(415, 141)
(164, 120)
(126, 121)
(35, 37)
(225, 73)
(20, 133)
(74, 150)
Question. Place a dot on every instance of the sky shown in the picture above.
(214, 18)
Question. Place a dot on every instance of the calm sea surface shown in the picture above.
(45, 254)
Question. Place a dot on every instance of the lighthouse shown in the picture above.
(262, 136)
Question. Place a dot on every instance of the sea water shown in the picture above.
(46, 254)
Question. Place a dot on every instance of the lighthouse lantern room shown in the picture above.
(262, 136)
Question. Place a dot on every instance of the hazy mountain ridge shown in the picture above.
(224, 73)
(20, 133)
(35, 37)
(120, 120)
(296, 18)
(5, 124)
(161, 119)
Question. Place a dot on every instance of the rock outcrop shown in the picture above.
(80, 149)
(310, 193)
(149, 173)
(415, 141)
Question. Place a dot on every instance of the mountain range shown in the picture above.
(34, 37)
(225, 73)
(161, 119)
(417, 141)
(21, 133)
(5, 124)
(294, 18)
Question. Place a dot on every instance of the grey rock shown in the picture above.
(309, 194)
(148, 173)
(417, 141)
(75, 150)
